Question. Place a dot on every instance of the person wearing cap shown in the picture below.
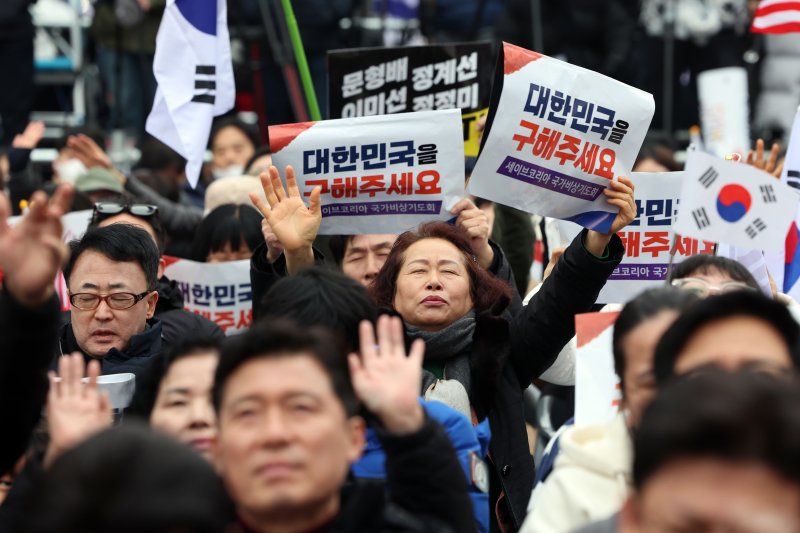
(98, 183)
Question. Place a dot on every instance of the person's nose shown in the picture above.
(201, 414)
(103, 311)
(372, 267)
(274, 429)
(434, 282)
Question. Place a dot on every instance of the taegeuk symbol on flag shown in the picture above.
(733, 203)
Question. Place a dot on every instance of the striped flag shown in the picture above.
(192, 66)
(777, 16)
(791, 176)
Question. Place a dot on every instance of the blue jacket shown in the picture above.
(469, 442)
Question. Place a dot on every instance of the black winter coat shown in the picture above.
(509, 350)
(27, 337)
(425, 490)
(176, 322)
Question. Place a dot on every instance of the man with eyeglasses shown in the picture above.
(112, 278)
(176, 322)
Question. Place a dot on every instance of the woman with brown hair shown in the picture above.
(482, 351)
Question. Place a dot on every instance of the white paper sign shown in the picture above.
(647, 239)
(724, 111)
(218, 291)
(560, 133)
(732, 203)
(378, 174)
(597, 388)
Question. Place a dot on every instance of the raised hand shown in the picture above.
(89, 152)
(31, 253)
(770, 165)
(619, 194)
(294, 223)
(29, 139)
(274, 246)
(385, 380)
(75, 410)
(476, 222)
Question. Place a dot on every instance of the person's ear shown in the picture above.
(357, 438)
(152, 298)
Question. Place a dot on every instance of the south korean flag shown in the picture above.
(192, 66)
(733, 203)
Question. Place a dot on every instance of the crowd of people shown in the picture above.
(382, 385)
(387, 382)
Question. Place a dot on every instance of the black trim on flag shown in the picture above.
(701, 218)
(203, 98)
(208, 70)
(709, 177)
(205, 84)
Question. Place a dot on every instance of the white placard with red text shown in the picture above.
(560, 133)
(597, 389)
(218, 291)
(647, 239)
(378, 174)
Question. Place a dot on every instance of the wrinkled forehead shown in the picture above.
(434, 250)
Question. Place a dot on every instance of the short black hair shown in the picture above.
(153, 220)
(735, 416)
(129, 479)
(644, 307)
(231, 121)
(338, 246)
(121, 243)
(284, 338)
(155, 155)
(705, 264)
(715, 308)
(149, 381)
(233, 224)
(319, 296)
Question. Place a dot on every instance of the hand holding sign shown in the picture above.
(476, 222)
(293, 223)
(619, 194)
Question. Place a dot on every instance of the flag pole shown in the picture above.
(302, 63)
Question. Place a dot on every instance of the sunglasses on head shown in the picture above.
(113, 208)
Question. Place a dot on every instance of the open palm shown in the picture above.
(294, 224)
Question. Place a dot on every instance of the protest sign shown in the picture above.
(218, 291)
(379, 174)
(724, 111)
(647, 239)
(597, 388)
(732, 203)
(557, 134)
(377, 81)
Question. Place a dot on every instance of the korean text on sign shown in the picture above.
(377, 174)
(559, 133)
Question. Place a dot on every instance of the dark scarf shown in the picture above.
(450, 346)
